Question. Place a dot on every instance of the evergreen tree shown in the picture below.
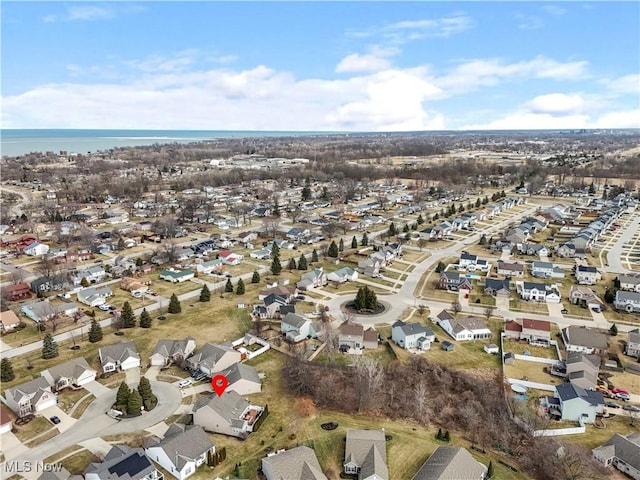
(302, 262)
(490, 470)
(420, 220)
(483, 240)
(275, 249)
(392, 230)
(365, 240)
(314, 256)
(478, 202)
(414, 226)
(240, 287)
(341, 246)
(174, 304)
(127, 317)
(276, 266)
(139, 262)
(440, 268)
(439, 435)
(609, 295)
(359, 302)
(228, 286)
(406, 228)
(371, 299)
(84, 282)
(447, 436)
(95, 331)
(122, 397)
(134, 403)
(120, 245)
(6, 370)
(354, 242)
(306, 194)
(205, 294)
(613, 331)
(49, 347)
(149, 400)
(292, 264)
(255, 278)
(333, 249)
(145, 319)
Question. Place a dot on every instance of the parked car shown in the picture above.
(612, 404)
(619, 390)
(623, 396)
(631, 408)
(564, 311)
(185, 383)
(105, 307)
(55, 420)
(136, 294)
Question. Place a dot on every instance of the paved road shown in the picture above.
(615, 252)
(94, 422)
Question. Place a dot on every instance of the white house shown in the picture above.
(36, 249)
(297, 327)
(121, 355)
(587, 275)
(214, 358)
(230, 258)
(209, 267)
(72, 372)
(627, 301)
(621, 452)
(94, 296)
(470, 328)
(412, 335)
(630, 282)
(30, 397)
(177, 276)
(343, 275)
(228, 414)
(583, 339)
(182, 450)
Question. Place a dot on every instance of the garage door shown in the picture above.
(86, 379)
(49, 403)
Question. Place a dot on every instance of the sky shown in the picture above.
(320, 66)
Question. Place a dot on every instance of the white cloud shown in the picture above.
(409, 30)
(625, 84)
(528, 22)
(82, 13)
(532, 121)
(375, 60)
(619, 119)
(556, 104)
(554, 10)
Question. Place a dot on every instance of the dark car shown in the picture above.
(55, 420)
(631, 408)
(564, 311)
(612, 405)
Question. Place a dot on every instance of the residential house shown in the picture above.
(8, 321)
(539, 292)
(123, 463)
(247, 237)
(243, 379)
(298, 463)
(370, 266)
(583, 339)
(533, 249)
(119, 356)
(451, 463)
(454, 281)
(546, 270)
(366, 454)
(135, 284)
(17, 292)
(297, 327)
(74, 372)
(49, 283)
(177, 276)
(36, 249)
(211, 266)
(94, 296)
(621, 452)
(577, 404)
(627, 301)
(183, 449)
(214, 358)
(287, 293)
(632, 347)
(313, 279)
(582, 370)
(357, 337)
(93, 274)
(343, 275)
(30, 397)
(467, 260)
(585, 297)
(497, 287)
(168, 352)
(469, 328)
(5, 420)
(587, 275)
(42, 311)
(512, 329)
(273, 304)
(569, 250)
(630, 282)
(296, 233)
(536, 331)
(228, 414)
(412, 335)
(510, 269)
(230, 258)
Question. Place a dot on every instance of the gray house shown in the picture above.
(448, 463)
(229, 414)
(582, 339)
(299, 463)
(366, 454)
(632, 348)
(578, 404)
(622, 453)
(412, 335)
(627, 301)
(582, 370)
(123, 463)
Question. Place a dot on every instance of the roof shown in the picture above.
(229, 406)
(299, 463)
(240, 371)
(514, 267)
(531, 324)
(167, 348)
(624, 448)
(578, 357)
(584, 337)
(211, 353)
(368, 450)
(295, 320)
(413, 328)
(9, 318)
(182, 443)
(73, 368)
(444, 315)
(469, 323)
(61, 474)
(450, 463)
(569, 391)
(29, 388)
(351, 329)
(4, 415)
(122, 462)
(118, 352)
(512, 326)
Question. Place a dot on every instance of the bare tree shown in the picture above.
(368, 380)
(16, 276)
(488, 311)
(456, 307)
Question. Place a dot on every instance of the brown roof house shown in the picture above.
(512, 329)
(366, 454)
(17, 292)
(169, 352)
(536, 331)
(229, 414)
(8, 321)
(355, 336)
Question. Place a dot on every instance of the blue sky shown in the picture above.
(359, 66)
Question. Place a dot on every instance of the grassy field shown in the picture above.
(78, 463)
(82, 406)
(533, 372)
(534, 350)
(518, 305)
(35, 427)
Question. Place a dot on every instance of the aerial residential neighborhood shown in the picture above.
(320, 241)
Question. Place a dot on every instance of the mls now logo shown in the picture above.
(26, 466)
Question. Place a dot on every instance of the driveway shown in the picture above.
(555, 309)
(152, 372)
(96, 388)
(502, 303)
(11, 446)
(133, 376)
(66, 421)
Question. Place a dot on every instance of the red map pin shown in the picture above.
(219, 384)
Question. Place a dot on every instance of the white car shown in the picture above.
(185, 383)
(136, 294)
(104, 307)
